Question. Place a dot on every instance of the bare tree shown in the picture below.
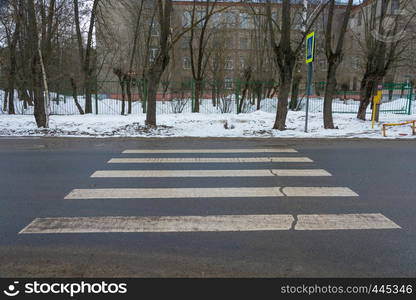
(167, 39)
(259, 72)
(334, 56)
(383, 44)
(200, 56)
(40, 111)
(12, 18)
(158, 66)
(285, 51)
(85, 51)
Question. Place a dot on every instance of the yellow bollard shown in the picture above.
(376, 101)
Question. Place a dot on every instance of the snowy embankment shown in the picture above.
(257, 124)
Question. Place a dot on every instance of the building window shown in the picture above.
(354, 84)
(275, 17)
(154, 29)
(228, 63)
(153, 52)
(186, 83)
(200, 15)
(186, 19)
(228, 83)
(245, 21)
(395, 6)
(216, 19)
(230, 19)
(185, 41)
(244, 43)
(187, 63)
(243, 62)
(298, 22)
(228, 42)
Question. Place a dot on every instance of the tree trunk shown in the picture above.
(285, 85)
(123, 96)
(88, 95)
(36, 69)
(12, 79)
(198, 92)
(243, 97)
(75, 96)
(159, 65)
(366, 91)
(44, 85)
(154, 76)
(153, 81)
(330, 87)
(24, 95)
(6, 97)
(259, 94)
(85, 55)
(39, 107)
(295, 93)
(21, 94)
(11, 97)
(129, 98)
(213, 96)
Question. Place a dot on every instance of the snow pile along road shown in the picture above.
(257, 124)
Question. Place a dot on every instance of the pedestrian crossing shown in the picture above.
(240, 192)
(165, 160)
(209, 223)
(139, 168)
(210, 173)
(200, 151)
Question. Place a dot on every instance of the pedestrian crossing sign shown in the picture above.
(310, 47)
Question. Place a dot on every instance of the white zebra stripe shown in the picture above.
(208, 173)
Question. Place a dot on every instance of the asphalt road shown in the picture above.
(37, 174)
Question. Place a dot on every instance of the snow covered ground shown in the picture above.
(211, 122)
(256, 124)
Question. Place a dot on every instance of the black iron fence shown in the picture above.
(228, 96)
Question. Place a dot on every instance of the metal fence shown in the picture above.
(229, 96)
(397, 98)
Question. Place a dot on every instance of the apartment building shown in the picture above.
(235, 41)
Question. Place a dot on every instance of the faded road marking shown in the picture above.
(344, 222)
(209, 223)
(123, 193)
(254, 150)
(211, 160)
(208, 173)
(319, 192)
(241, 192)
(159, 224)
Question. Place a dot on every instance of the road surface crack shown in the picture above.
(295, 222)
(271, 171)
(281, 191)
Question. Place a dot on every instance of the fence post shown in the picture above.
(96, 96)
(410, 98)
(237, 96)
(193, 94)
(144, 95)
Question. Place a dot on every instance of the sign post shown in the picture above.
(310, 55)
